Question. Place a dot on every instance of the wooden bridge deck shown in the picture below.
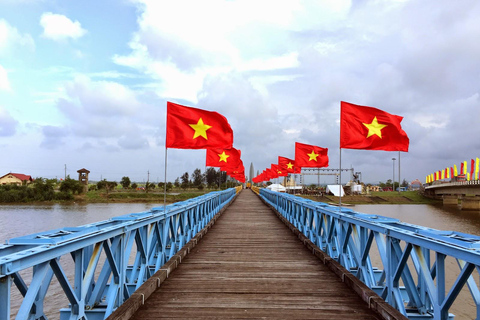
(249, 266)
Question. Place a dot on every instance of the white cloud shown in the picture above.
(4, 83)
(11, 39)
(8, 125)
(220, 37)
(59, 27)
(106, 112)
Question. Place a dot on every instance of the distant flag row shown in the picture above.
(361, 127)
(192, 128)
(305, 156)
(450, 172)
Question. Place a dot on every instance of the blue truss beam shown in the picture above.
(407, 278)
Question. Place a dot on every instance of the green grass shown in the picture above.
(141, 196)
(405, 197)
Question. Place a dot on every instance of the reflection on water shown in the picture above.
(436, 217)
(20, 220)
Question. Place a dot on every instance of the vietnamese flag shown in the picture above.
(288, 165)
(274, 170)
(310, 156)
(269, 174)
(191, 128)
(371, 129)
(219, 157)
(278, 171)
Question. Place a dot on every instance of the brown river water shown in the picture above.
(19, 220)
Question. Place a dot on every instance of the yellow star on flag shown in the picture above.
(290, 165)
(374, 128)
(313, 156)
(223, 157)
(200, 129)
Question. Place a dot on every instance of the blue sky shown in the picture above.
(85, 83)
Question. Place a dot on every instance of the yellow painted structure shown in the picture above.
(15, 178)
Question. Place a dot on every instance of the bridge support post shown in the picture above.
(450, 200)
(470, 203)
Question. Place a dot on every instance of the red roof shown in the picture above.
(21, 176)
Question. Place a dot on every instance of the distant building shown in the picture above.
(16, 178)
(251, 172)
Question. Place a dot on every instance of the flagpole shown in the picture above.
(399, 180)
(165, 184)
(340, 182)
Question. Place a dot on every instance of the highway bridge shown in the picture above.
(465, 193)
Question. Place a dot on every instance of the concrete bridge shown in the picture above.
(465, 193)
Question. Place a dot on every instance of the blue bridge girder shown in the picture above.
(412, 274)
(134, 246)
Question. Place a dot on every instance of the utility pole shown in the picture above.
(148, 179)
(393, 182)
(65, 178)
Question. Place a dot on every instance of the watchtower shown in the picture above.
(83, 177)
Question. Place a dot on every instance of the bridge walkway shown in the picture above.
(250, 265)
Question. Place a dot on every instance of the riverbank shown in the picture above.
(407, 197)
(138, 196)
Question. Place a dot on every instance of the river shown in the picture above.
(19, 220)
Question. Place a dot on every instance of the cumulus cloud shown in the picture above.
(4, 83)
(8, 125)
(59, 27)
(11, 40)
(107, 111)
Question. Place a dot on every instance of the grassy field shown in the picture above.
(139, 196)
(406, 197)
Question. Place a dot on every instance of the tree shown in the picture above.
(211, 176)
(125, 182)
(177, 183)
(107, 185)
(197, 178)
(71, 185)
(134, 186)
(149, 186)
(185, 181)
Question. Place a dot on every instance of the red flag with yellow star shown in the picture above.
(310, 156)
(192, 128)
(371, 129)
(219, 157)
(288, 165)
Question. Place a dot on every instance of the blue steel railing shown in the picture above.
(133, 247)
(412, 275)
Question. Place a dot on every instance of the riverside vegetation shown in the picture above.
(183, 188)
(51, 190)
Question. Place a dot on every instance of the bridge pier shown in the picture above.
(470, 203)
(450, 199)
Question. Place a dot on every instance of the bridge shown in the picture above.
(465, 192)
(229, 254)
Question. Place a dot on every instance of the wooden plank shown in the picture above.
(250, 265)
